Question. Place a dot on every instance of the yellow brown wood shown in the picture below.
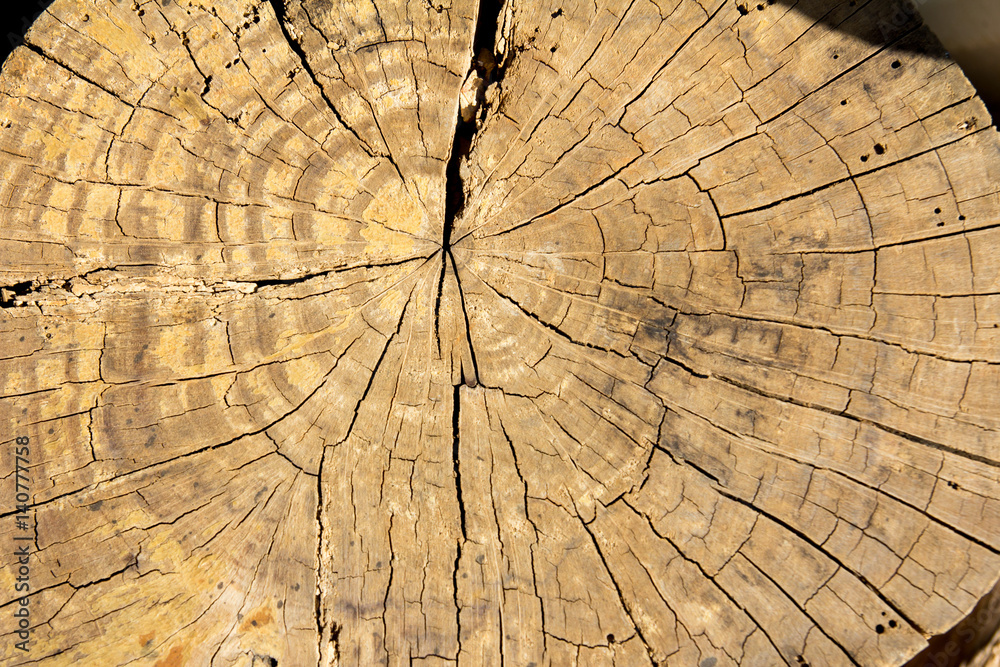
(546, 332)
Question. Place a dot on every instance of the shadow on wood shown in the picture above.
(892, 23)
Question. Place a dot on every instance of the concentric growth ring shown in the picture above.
(536, 333)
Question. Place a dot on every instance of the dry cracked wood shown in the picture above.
(682, 349)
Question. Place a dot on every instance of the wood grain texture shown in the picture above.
(544, 333)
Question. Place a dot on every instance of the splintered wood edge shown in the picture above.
(658, 333)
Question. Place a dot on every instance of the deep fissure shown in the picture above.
(9, 293)
(484, 65)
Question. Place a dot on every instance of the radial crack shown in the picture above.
(279, 13)
(482, 72)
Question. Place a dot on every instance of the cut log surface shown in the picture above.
(660, 332)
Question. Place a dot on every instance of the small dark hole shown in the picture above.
(760, 8)
(896, 64)
(557, 13)
(864, 158)
(843, 103)
(880, 628)
(743, 10)
(611, 639)
(879, 149)
(961, 217)
(940, 224)
(937, 210)
(892, 624)
(835, 56)
(552, 50)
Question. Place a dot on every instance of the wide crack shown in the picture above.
(10, 294)
(483, 71)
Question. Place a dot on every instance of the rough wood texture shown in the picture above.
(683, 348)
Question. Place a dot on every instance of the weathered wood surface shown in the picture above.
(975, 642)
(693, 360)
